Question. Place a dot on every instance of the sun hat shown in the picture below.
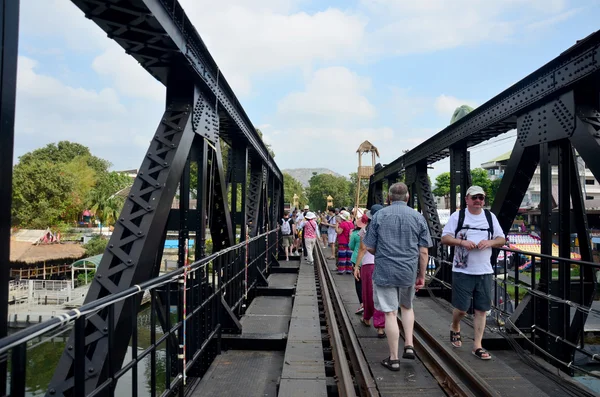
(306, 207)
(345, 215)
(360, 223)
(475, 190)
(310, 215)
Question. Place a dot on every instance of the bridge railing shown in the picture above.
(521, 299)
(189, 309)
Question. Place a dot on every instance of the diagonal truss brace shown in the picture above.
(130, 255)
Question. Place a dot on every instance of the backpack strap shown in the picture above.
(488, 216)
(461, 221)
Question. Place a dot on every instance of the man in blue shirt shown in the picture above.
(399, 238)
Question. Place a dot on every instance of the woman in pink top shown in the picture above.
(343, 230)
(310, 235)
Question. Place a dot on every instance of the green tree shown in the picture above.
(442, 187)
(493, 191)
(292, 186)
(96, 246)
(42, 193)
(65, 152)
(322, 185)
(480, 177)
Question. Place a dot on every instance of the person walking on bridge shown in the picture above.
(343, 230)
(399, 238)
(474, 232)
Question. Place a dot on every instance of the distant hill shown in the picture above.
(303, 175)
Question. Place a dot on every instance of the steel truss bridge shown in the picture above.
(555, 110)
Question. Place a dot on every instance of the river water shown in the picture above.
(43, 359)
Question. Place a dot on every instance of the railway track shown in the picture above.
(352, 372)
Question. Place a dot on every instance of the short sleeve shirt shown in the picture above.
(475, 229)
(396, 232)
(344, 237)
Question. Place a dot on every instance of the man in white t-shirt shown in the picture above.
(472, 272)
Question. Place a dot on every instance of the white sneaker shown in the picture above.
(287, 259)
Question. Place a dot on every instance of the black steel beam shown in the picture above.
(166, 19)
(130, 257)
(427, 203)
(239, 180)
(9, 38)
(219, 217)
(498, 115)
(460, 174)
(513, 187)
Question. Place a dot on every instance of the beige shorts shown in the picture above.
(287, 241)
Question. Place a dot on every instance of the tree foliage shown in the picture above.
(442, 186)
(292, 186)
(479, 177)
(53, 185)
(63, 152)
(322, 185)
(42, 193)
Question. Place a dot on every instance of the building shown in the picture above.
(589, 185)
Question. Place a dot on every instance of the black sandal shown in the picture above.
(454, 338)
(380, 335)
(364, 322)
(479, 353)
(409, 352)
(392, 365)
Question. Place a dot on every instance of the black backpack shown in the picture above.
(461, 221)
(490, 230)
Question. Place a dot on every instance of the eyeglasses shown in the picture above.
(480, 197)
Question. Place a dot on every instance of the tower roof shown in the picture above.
(367, 147)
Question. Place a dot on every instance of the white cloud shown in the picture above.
(445, 105)
(62, 19)
(333, 93)
(128, 77)
(249, 40)
(404, 27)
(48, 110)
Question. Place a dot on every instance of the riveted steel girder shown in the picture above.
(254, 197)
(498, 115)
(130, 257)
(460, 173)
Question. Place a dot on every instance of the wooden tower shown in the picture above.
(364, 173)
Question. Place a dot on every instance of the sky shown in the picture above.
(318, 77)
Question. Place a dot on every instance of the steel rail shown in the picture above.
(362, 373)
(340, 360)
(453, 376)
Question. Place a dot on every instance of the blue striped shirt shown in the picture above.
(396, 232)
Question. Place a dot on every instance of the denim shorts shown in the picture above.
(467, 286)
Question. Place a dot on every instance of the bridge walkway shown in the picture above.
(506, 373)
(280, 349)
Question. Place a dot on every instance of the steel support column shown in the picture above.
(543, 307)
(9, 37)
(131, 253)
(239, 181)
(254, 196)
(200, 152)
(219, 217)
(460, 174)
